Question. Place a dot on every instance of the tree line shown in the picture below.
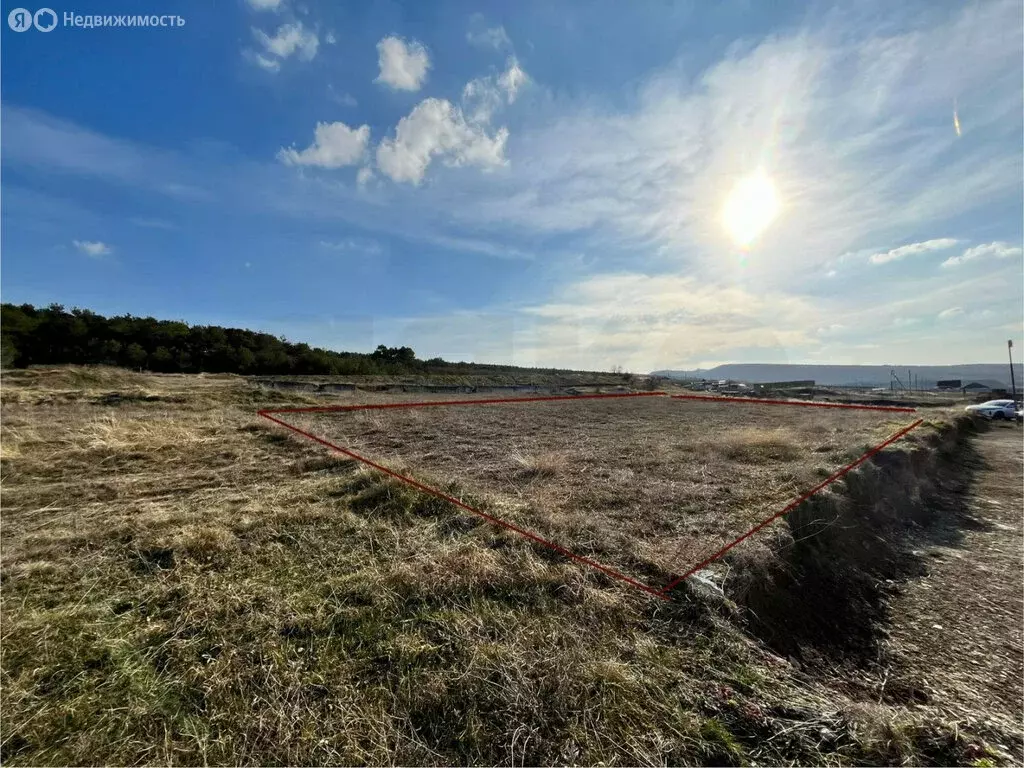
(56, 336)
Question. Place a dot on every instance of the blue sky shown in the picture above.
(546, 183)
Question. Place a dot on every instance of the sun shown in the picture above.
(751, 206)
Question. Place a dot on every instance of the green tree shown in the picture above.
(162, 360)
(8, 353)
(135, 355)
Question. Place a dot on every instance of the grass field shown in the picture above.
(648, 485)
(183, 583)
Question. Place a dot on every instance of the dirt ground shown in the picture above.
(648, 485)
(957, 630)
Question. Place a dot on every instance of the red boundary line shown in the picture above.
(429, 403)
(662, 593)
(713, 399)
(452, 500)
(794, 504)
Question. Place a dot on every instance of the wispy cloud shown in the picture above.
(913, 249)
(345, 99)
(483, 96)
(289, 40)
(997, 250)
(946, 314)
(353, 245)
(843, 125)
(483, 36)
(93, 248)
(266, 5)
(636, 320)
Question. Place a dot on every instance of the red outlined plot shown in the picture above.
(663, 592)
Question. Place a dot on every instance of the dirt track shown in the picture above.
(957, 632)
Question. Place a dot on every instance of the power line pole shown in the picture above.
(1013, 380)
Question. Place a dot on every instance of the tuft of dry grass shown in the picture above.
(754, 445)
(550, 464)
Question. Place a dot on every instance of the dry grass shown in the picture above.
(547, 465)
(650, 485)
(182, 584)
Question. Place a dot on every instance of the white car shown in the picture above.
(995, 409)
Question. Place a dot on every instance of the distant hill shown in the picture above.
(855, 375)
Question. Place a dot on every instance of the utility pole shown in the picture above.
(1013, 380)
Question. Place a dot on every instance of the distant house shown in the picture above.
(949, 385)
(985, 385)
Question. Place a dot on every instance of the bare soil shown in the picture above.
(957, 639)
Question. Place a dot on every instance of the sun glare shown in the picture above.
(750, 208)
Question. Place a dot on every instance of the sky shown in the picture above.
(572, 184)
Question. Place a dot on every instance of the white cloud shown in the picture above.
(482, 36)
(437, 128)
(512, 79)
(483, 96)
(334, 145)
(341, 97)
(403, 65)
(266, 5)
(92, 248)
(364, 176)
(354, 245)
(951, 312)
(330, 39)
(289, 40)
(998, 250)
(848, 138)
(261, 61)
(650, 321)
(643, 321)
(483, 247)
(939, 244)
